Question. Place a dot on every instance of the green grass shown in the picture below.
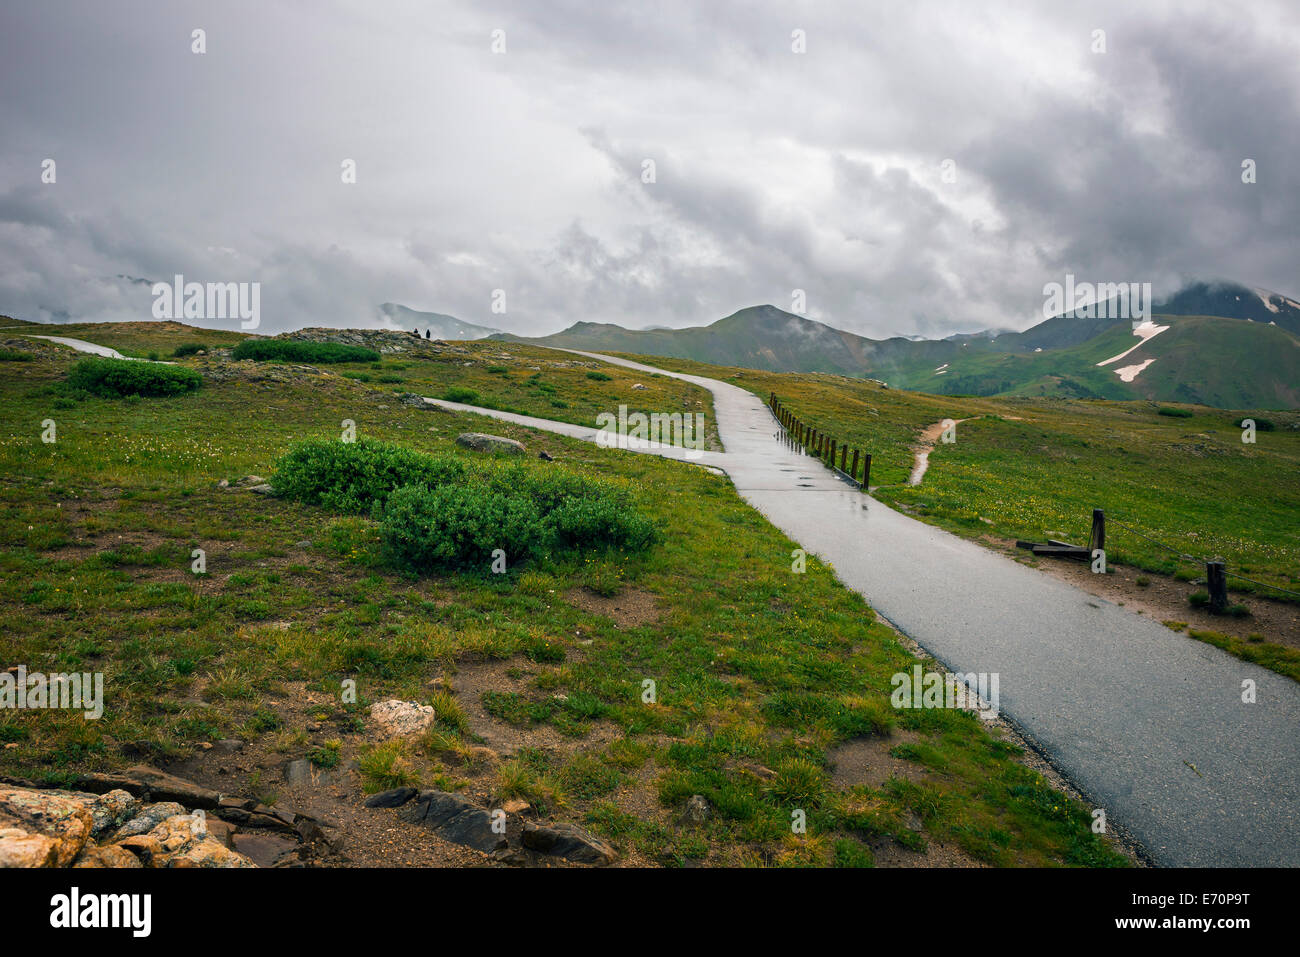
(1036, 468)
(753, 666)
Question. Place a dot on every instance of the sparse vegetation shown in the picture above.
(754, 671)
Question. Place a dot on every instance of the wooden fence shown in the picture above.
(824, 447)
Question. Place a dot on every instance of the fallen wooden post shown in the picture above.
(1062, 551)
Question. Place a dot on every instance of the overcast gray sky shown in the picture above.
(522, 170)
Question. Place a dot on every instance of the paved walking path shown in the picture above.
(82, 346)
(1148, 723)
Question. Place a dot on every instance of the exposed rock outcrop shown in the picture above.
(482, 442)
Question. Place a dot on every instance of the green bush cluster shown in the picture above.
(1261, 425)
(459, 393)
(434, 512)
(299, 350)
(14, 355)
(1174, 413)
(524, 512)
(357, 476)
(187, 349)
(460, 525)
(114, 378)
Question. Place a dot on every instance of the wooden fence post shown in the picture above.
(866, 473)
(1216, 577)
(832, 453)
(844, 457)
(1098, 537)
(854, 474)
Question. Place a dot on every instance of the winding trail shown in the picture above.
(1150, 725)
(82, 346)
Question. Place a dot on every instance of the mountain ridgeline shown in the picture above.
(1220, 345)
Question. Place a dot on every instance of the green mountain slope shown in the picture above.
(1248, 360)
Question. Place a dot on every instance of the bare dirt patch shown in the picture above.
(469, 683)
(867, 761)
(630, 608)
(889, 853)
(1164, 598)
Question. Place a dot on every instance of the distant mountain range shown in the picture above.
(438, 325)
(1218, 344)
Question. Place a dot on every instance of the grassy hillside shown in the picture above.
(1224, 362)
(514, 378)
(761, 676)
(1035, 468)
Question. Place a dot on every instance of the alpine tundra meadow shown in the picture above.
(559, 445)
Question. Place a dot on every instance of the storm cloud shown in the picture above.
(920, 168)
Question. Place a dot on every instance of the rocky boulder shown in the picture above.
(482, 442)
(399, 718)
(569, 842)
(42, 828)
(456, 819)
(53, 828)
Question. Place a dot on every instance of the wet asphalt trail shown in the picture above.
(1148, 724)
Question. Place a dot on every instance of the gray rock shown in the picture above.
(482, 442)
(545, 456)
(395, 797)
(263, 489)
(697, 810)
(455, 819)
(149, 817)
(569, 842)
(298, 772)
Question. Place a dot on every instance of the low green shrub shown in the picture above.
(599, 376)
(187, 349)
(1261, 425)
(14, 355)
(459, 393)
(357, 476)
(600, 522)
(115, 378)
(459, 526)
(1174, 413)
(300, 350)
(515, 508)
